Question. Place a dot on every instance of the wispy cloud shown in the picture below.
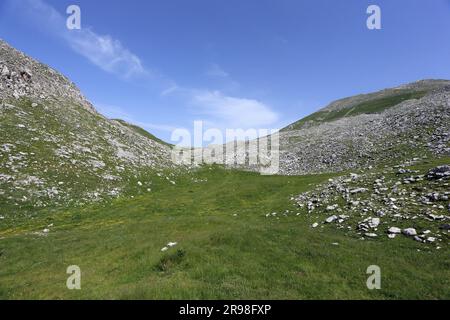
(215, 107)
(102, 50)
(105, 52)
(171, 89)
(233, 112)
(214, 70)
(222, 78)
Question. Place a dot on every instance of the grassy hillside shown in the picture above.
(227, 247)
(367, 107)
(142, 132)
(61, 153)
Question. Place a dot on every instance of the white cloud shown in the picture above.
(233, 112)
(170, 90)
(105, 52)
(214, 70)
(219, 110)
(102, 50)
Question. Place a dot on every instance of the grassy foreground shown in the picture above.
(227, 248)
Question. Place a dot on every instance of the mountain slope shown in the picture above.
(375, 129)
(141, 131)
(369, 103)
(55, 149)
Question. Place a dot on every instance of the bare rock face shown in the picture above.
(24, 77)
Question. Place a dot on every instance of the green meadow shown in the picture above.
(226, 247)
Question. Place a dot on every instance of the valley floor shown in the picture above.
(226, 248)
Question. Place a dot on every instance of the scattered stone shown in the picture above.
(394, 230)
(333, 207)
(371, 235)
(409, 232)
(445, 226)
(374, 222)
(358, 190)
(331, 219)
(439, 172)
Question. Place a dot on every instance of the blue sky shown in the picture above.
(231, 63)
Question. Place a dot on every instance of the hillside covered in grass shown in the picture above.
(142, 131)
(56, 149)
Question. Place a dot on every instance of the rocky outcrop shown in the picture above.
(395, 201)
(24, 77)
